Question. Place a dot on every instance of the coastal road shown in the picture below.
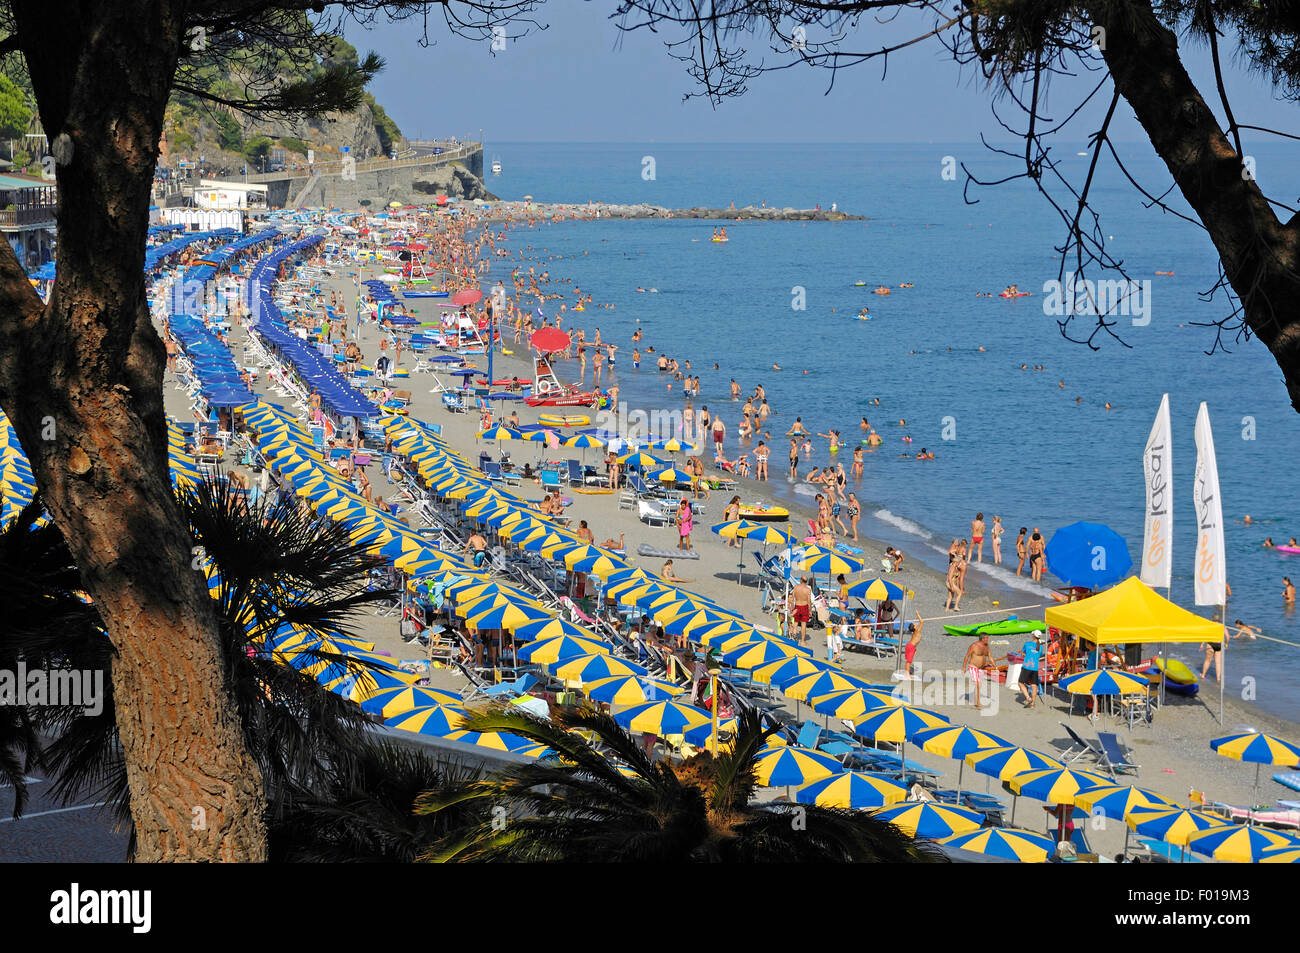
(51, 832)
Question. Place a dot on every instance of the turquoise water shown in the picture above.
(1022, 446)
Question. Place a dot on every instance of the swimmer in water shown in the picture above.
(1108, 407)
(1268, 542)
(776, 367)
(864, 425)
(1248, 519)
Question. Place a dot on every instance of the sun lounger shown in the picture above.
(1167, 852)
(1069, 753)
(649, 512)
(1113, 756)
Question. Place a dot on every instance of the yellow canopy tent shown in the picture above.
(1133, 612)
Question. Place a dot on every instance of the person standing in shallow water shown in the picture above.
(977, 537)
(1022, 550)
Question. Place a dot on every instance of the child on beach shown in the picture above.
(909, 653)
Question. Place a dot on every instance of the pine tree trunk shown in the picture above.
(81, 379)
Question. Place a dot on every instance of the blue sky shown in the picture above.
(582, 80)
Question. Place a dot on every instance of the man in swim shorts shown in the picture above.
(802, 598)
(977, 662)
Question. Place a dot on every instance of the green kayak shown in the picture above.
(1004, 627)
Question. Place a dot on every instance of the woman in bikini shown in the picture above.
(857, 462)
(1022, 551)
(760, 460)
(730, 513)
(996, 533)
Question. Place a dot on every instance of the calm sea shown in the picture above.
(1008, 441)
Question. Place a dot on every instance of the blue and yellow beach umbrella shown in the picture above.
(783, 671)
(552, 628)
(393, 701)
(792, 766)
(685, 623)
(495, 740)
(931, 821)
(436, 720)
(1257, 749)
(594, 667)
(725, 631)
(1118, 800)
(508, 616)
(631, 690)
(1006, 763)
(1172, 825)
(1105, 682)
(753, 654)
(1056, 785)
(816, 560)
(852, 702)
(1239, 845)
(876, 590)
(852, 789)
(1287, 854)
(663, 718)
(561, 648)
(819, 684)
(1005, 842)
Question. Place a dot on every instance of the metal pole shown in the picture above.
(1223, 647)
(713, 680)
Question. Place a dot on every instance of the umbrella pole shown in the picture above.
(740, 579)
(961, 769)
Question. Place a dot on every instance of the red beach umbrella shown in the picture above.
(549, 339)
(468, 296)
(440, 200)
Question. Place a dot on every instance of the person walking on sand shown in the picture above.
(1022, 550)
(996, 533)
(977, 537)
(977, 662)
(1036, 545)
(685, 522)
(802, 600)
(1029, 680)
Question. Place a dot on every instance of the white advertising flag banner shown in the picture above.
(1157, 465)
(1210, 573)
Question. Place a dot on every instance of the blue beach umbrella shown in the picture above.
(1088, 554)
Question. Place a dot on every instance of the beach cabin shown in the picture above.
(27, 215)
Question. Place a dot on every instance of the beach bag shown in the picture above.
(1013, 675)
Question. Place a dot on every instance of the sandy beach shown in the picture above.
(1173, 752)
